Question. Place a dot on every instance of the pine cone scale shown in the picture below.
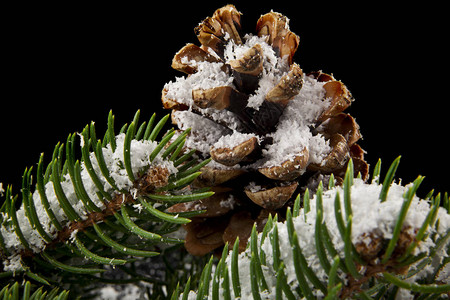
(187, 58)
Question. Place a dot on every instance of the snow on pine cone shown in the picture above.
(270, 129)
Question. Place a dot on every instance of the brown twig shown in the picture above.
(155, 177)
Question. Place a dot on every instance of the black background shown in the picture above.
(64, 66)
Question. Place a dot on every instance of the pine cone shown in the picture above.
(270, 129)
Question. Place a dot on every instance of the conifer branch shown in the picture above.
(122, 183)
(320, 254)
(24, 291)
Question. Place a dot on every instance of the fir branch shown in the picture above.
(78, 205)
(24, 291)
(320, 253)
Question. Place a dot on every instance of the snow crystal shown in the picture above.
(222, 117)
(13, 263)
(108, 293)
(209, 75)
(444, 274)
(129, 292)
(273, 66)
(293, 133)
(73, 235)
(218, 166)
(204, 131)
(192, 63)
(233, 140)
(228, 203)
(288, 141)
(138, 207)
(253, 187)
(307, 106)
